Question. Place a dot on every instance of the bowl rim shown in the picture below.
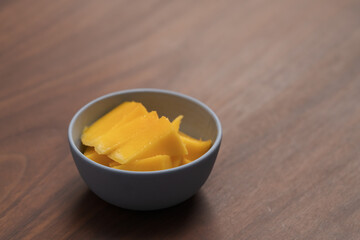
(214, 147)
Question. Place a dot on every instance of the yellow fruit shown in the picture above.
(177, 161)
(125, 112)
(176, 122)
(113, 163)
(130, 138)
(122, 133)
(185, 161)
(159, 162)
(196, 148)
(102, 159)
(160, 138)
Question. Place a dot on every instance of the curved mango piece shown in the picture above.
(196, 148)
(93, 155)
(185, 161)
(159, 162)
(122, 133)
(159, 138)
(177, 121)
(125, 112)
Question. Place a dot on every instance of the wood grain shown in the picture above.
(283, 76)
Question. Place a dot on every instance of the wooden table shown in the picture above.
(283, 76)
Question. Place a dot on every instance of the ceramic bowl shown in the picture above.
(156, 189)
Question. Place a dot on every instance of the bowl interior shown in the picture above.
(199, 121)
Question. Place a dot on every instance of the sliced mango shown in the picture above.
(125, 112)
(113, 164)
(122, 133)
(159, 162)
(196, 148)
(177, 161)
(185, 161)
(159, 139)
(177, 121)
(102, 159)
(130, 138)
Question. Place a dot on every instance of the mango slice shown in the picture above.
(185, 161)
(159, 139)
(122, 133)
(159, 162)
(177, 161)
(131, 138)
(196, 148)
(93, 155)
(177, 121)
(125, 112)
(113, 163)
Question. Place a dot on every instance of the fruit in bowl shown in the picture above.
(131, 138)
(147, 190)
